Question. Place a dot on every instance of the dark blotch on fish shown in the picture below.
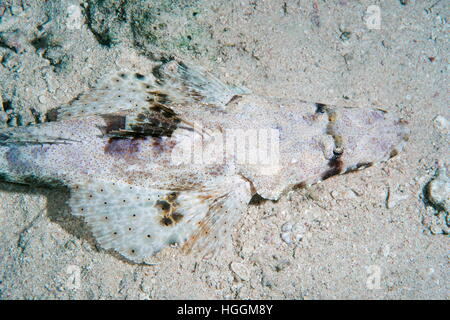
(336, 167)
(320, 107)
(139, 76)
(122, 147)
(114, 123)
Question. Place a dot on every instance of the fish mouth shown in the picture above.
(363, 138)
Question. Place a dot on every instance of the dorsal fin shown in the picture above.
(171, 83)
(185, 84)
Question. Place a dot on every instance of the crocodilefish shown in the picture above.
(176, 155)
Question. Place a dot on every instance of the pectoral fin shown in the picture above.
(137, 222)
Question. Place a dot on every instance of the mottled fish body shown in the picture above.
(175, 157)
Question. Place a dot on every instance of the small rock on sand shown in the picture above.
(438, 190)
(441, 123)
(240, 270)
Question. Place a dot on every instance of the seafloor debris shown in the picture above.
(240, 271)
(394, 198)
(292, 233)
(441, 123)
(438, 191)
(437, 198)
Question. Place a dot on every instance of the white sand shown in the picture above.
(352, 246)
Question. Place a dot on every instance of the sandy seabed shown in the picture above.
(368, 235)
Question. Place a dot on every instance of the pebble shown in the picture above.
(394, 199)
(42, 99)
(286, 237)
(286, 227)
(240, 270)
(52, 84)
(343, 195)
(441, 123)
(438, 190)
(3, 116)
(74, 17)
(436, 223)
(292, 233)
(299, 229)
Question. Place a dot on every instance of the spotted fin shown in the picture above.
(171, 83)
(185, 84)
(138, 222)
(119, 94)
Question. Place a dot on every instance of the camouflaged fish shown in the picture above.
(175, 156)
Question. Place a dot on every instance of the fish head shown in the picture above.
(309, 144)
